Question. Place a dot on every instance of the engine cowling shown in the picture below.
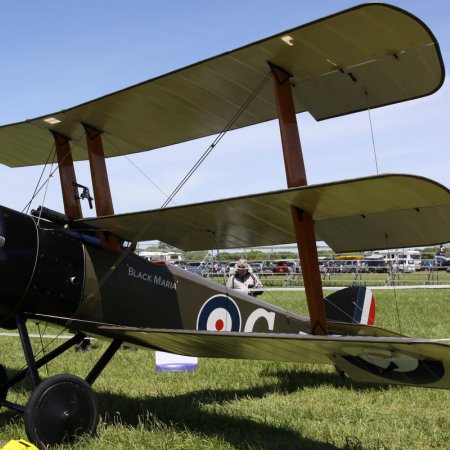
(41, 268)
(18, 252)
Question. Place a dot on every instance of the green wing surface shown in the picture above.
(392, 360)
(365, 57)
(383, 211)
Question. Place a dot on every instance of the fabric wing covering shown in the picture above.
(397, 360)
(384, 211)
(365, 57)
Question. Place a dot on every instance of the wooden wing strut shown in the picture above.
(72, 207)
(302, 220)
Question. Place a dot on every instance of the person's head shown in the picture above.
(242, 266)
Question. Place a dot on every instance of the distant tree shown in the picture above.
(151, 248)
(195, 256)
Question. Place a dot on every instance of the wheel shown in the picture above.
(60, 409)
(3, 379)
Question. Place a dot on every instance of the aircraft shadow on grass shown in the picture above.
(185, 412)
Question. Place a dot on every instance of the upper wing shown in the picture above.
(385, 211)
(367, 56)
(393, 360)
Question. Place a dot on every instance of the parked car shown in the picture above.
(284, 267)
(230, 268)
(376, 265)
(180, 264)
(404, 266)
(257, 267)
(347, 266)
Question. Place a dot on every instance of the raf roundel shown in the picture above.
(219, 313)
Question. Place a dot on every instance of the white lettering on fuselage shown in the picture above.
(152, 278)
(255, 315)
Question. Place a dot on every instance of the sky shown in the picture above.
(57, 54)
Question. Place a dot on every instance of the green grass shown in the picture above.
(233, 404)
(419, 278)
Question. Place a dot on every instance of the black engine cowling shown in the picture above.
(41, 268)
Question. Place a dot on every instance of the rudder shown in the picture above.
(354, 304)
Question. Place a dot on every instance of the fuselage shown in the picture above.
(62, 276)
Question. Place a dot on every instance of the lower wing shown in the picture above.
(392, 360)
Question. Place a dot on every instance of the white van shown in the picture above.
(398, 261)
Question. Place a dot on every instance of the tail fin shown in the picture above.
(353, 304)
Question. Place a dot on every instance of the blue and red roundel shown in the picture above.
(219, 313)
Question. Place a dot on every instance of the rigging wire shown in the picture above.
(371, 132)
(120, 153)
(397, 309)
(376, 166)
(46, 188)
(43, 348)
(144, 227)
(228, 126)
(36, 191)
(37, 353)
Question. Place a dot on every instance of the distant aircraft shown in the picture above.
(81, 273)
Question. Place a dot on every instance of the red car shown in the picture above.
(283, 267)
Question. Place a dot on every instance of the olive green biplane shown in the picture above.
(82, 273)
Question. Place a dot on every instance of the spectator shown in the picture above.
(244, 280)
(439, 257)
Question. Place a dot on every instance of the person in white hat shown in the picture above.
(244, 280)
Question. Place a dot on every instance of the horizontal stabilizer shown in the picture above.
(383, 211)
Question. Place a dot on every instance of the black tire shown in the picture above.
(60, 409)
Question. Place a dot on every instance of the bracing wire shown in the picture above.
(37, 190)
(27, 206)
(51, 173)
(228, 126)
(376, 166)
(372, 134)
(46, 188)
(397, 309)
(120, 153)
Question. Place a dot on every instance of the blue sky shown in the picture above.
(59, 54)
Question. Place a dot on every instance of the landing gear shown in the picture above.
(60, 409)
(3, 379)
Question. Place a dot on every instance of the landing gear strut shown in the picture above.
(62, 407)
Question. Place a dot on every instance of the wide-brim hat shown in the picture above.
(242, 264)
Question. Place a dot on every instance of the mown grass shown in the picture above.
(419, 278)
(234, 404)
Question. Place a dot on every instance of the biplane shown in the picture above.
(81, 272)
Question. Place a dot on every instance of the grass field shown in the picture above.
(232, 404)
(419, 278)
